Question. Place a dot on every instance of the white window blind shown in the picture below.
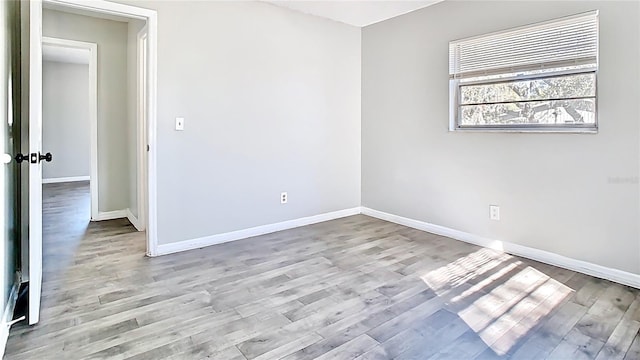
(568, 41)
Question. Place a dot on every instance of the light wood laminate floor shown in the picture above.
(353, 288)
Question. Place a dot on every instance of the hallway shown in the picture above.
(67, 232)
(78, 256)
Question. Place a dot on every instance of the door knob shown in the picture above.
(34, 158)
(20, 158)
(46, 157)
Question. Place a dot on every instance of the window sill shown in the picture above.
(529, 130)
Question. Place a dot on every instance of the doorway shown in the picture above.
(70, 116)
(69, 130)
(144, 142)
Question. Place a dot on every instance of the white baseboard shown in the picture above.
(547, 257)
(134, 220)
(164, 249)
(110, 215)
(65, 179)
(7, 316)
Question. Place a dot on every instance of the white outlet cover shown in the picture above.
(284, 198)
(494, 212)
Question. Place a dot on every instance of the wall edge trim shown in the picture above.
(7, 318)
(134, 220)
(65, 179)
(196, 243)
(547, 257)
(110, 215)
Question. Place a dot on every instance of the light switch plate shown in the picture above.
(179, 124)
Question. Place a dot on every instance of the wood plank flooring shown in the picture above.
(353, 288)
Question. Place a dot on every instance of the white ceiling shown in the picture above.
(65, 54)
(355, 12)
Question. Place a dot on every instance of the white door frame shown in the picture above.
(151, 18)
(93, 109)
(141, 113)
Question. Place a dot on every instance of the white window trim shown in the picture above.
(456, 83)
(454, 107)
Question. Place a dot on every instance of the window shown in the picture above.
(540, 77)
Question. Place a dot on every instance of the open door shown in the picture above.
(35, 159)
(10, 169)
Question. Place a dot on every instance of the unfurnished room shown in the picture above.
(339, 179)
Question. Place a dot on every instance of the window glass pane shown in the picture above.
(561, 112)
(558, 87)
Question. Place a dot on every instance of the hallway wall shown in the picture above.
(65, 119)
(271, 101)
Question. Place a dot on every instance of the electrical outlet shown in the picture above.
(494, 212)
(283, 198)
(179, 124)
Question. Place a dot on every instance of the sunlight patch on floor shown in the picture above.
(496, 295)
(462, 270)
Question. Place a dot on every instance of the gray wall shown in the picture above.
(65, 119)
(271, 101)
(111, 37)
(575, 195)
